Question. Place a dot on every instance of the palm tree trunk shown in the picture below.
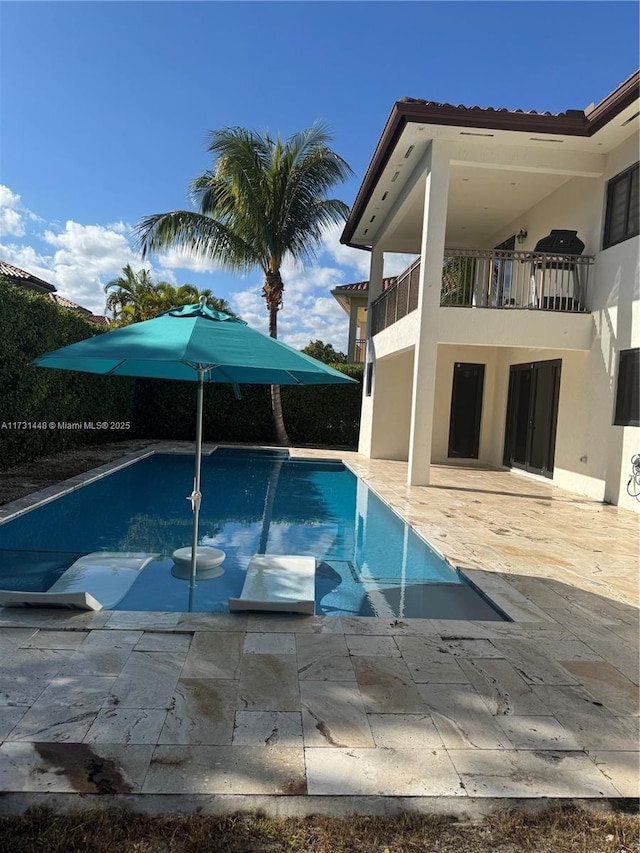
(272, 291)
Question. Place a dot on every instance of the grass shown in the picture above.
(556, 830)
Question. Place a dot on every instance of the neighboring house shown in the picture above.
(514, 339)
(353, 298)
(20, 278)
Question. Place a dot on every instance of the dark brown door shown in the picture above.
(532, 414)
(466, 410)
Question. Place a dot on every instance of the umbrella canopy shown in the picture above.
(194, 343)
(177, 343)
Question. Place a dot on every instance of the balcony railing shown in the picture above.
(478, 278)
(360, 351)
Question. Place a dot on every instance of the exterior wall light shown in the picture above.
(521, 236)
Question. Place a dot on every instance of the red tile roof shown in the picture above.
(25, 278)
(364, 285)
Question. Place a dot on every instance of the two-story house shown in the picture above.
(514, 338)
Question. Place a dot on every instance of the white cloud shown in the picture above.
(176, 259)
(395, 263)
(26, 258)
(11, 219)
(356, 259)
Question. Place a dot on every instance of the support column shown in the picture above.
(376, 272)
(353, 331)
(426, 351)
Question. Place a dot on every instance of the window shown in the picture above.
(621, 220)
(627, 394)
(369, 382)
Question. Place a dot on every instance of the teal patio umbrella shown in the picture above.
(201, 345)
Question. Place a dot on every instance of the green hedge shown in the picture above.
(30, 325)
(322, 414)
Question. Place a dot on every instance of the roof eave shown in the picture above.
(569, 123)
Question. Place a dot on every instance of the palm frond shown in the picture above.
(196, 235)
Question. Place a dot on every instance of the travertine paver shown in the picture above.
(323, 658)
(273, 729)
(270, 644)
(126, 725)
(382, 772)
(147, 680)
(201, 712)
(276, 704)
(527, 773)
(333, 714)
(226, 769)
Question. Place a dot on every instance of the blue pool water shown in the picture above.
(370, 563)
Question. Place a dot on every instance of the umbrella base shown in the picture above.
(208, 563)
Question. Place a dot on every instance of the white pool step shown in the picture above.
(276, 583)
(97, 581)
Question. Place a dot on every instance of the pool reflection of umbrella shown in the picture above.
(198, 344)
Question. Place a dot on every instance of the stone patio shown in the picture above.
(297, 714)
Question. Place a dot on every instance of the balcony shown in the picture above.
(479, 278)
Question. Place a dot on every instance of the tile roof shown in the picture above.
(9, 271)
(407, 100)
(364, 285)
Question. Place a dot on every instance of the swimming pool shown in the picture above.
(369, 562)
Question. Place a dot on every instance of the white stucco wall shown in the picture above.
(392, 407)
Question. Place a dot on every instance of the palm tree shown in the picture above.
(265, 200)
(135, 297)
(130, 294)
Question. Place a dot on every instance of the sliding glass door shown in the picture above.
(532, 413)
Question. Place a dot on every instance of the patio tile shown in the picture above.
(382, 772)
(269, 683)
(73, 767)
(147, 680)
(323, 658)
(534, 667)
(404, 731)
(26, 673)
(537, 732)
(126, 725)
(56, 640)
(368, 625)
(371, 645)
(429, 661)
(14, 638)
(275, 729)
(269, 644)
(511, 773)
(605, 683)
(201, 712)
(76, 691)
(457, 629)
(386, 686)
(478, 648)
(623, 656)
(333, 715)
(153, 641)
(501, 592)
(100, 656)
(55, 723)
(501, 688)
(143, 621)
(214, 655)
(225, 770)
(461, 717)
(209, 622)
(10, 716)
(593, 726)
(622, 769)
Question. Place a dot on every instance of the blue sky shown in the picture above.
(106, 107)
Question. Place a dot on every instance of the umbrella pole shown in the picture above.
(196, 496)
